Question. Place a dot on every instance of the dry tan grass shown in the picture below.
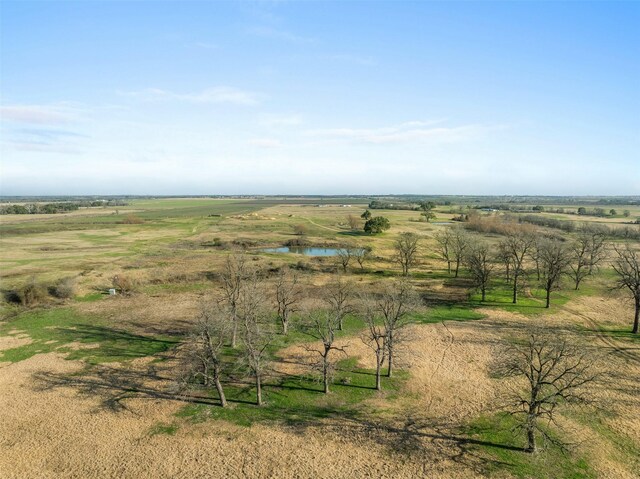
(58, 432)
(14, 341)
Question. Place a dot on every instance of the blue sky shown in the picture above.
(363, 97)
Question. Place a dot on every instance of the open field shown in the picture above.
(88, 382)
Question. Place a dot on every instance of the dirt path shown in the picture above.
(320, 226)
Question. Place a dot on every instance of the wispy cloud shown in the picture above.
(46, 140)
(413, 131)
(265, 143)
(277, 34)
(38, 114)
(219, 94)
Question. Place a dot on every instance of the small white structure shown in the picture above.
(112, 291)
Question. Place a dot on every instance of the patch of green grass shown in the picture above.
(299, 400)
(500, 296)
(614, 331)
(90, 298)
(448, 313)
(162, 428)
(627, 451)
(52, 329)
(495, 437)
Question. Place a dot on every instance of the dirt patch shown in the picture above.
(10, 342)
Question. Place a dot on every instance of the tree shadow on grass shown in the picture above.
(113, 344)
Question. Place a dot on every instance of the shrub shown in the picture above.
(300, 230)
(64, 288)
(123, 284)
(32, 293)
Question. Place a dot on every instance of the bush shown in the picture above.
(64, 288)
(123, 284)
(32, 293)
(300, 230)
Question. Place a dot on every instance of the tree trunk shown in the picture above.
(531, 439)
(325, 373)
(449, 266)
(548, 297)
(234, 335)
(390, 367)
(515, 289)
(484, 293)
(216, 379)
(637, 317)
(457, 267)
(285, 326)
(378, 367)
(258, 390)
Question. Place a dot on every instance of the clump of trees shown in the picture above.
(481, 264)
(376, 224)
(453, 244)
(210, 358)
(55, 207)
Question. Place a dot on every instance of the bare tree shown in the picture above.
(627, 266)
(322, 326)
(444, 238)
(406, 251)
(233, 276)
(580, 259)
(257, 331)
(204, 358)
(354, 223)
(535, 253)
(596, 236)
(362, 254)
(517, 245)
(394, 304)
(460, 243)
(552, 373)
(554, 259)
(374, 336)
(344, 256)
(288, 294)
(481, 266)
(505, 258)
(339, 295)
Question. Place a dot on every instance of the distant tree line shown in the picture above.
(57, 207)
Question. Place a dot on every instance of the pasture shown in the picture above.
(89, 382)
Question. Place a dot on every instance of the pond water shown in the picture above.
(307, 251)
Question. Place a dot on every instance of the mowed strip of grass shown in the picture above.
(53, 329)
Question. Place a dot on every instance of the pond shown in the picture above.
(305, 250)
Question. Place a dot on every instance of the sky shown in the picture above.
(285, 97)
